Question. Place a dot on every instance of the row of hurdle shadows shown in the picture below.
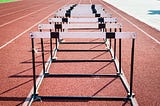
(75, 21)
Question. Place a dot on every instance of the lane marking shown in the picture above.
(29, 98)
(17, 11)
(23, 9)
(27, 29)
(24, 31)
(5, 8)
(28, 101)
(154, 39)
(23, 16)
(17, 7)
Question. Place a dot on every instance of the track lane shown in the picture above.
(15, 17)
(70, 85)
(146, 55)
(9, 12)
(27, 19)
(16, 67)
(146, 74)
(146, 63)
(17, 6)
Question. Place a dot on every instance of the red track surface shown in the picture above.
(19, 18)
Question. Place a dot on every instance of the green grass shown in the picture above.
(6, 1)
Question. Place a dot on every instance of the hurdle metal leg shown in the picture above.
(33, 66)
(43, 62)
(120, 55)
(132, 65)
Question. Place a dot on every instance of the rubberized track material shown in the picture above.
(16, 65)
(89, 34)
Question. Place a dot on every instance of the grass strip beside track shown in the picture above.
(6, 1)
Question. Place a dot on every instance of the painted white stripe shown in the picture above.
(23, 16)
(4, 9)
(154, 39)
(17, 11)
(27, 102)
(25, 31)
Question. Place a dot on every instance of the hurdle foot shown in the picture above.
(54, 58)
(131, 95)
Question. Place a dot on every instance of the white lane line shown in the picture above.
(28, 101)
(29, 98)
(19, 6)
(25, 31)
(5, 8)
(17, 11)
(154, 39)
(20, 10)
(23, 16)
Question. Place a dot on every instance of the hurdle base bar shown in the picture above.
(81, 75)
(65, 61)
(87, 98)
(35, 97)
(82, 42)
(71, 50)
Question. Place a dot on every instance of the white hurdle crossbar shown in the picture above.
(82, 10)
(80, 26)
(106, 20)
(114, 35)
(86, 14)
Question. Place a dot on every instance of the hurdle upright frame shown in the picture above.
(117, 35)
(66, 16)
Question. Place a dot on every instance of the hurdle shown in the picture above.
(65, 27)
(113, 35)
(78, 11)
(105, 28)
(105, 23)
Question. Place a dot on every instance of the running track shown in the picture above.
(19, 18)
